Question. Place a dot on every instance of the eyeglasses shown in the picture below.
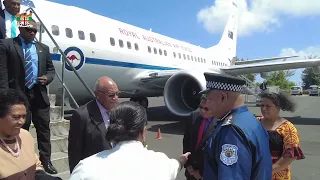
(110, 95)
(30, 30)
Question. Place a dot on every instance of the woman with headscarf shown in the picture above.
(283, 136)
(128, 159)
(18, 159)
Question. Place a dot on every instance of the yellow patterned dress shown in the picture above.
(284, 141)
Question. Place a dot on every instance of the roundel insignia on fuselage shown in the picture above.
(76, 58)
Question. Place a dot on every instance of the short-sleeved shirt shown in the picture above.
(284, 141)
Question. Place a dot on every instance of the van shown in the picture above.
(314, 90)
(296, 90)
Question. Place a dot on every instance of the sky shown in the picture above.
(267, 28)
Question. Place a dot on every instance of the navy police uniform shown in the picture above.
(239, 147)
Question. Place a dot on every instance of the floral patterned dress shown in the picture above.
(284, 141)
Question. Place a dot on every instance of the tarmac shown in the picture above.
(306, 119)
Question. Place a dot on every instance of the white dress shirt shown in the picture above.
(128, 160)
(8, 21)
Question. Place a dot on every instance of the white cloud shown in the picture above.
(304, 53)
(260, 16)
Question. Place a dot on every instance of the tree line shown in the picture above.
(281, 78)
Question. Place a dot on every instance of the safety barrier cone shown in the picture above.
(159, 134)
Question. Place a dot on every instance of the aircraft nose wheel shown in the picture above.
(143, 101)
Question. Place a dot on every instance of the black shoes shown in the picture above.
(49, 168)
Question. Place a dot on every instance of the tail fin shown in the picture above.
(228, 41)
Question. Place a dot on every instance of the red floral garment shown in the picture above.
(284, 141)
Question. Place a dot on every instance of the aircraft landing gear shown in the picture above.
(143, 101)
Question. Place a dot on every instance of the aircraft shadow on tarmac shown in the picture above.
(178, 123)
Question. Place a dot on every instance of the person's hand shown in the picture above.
(190, 170)
(197, 175)
(43, 80)
(183, 158)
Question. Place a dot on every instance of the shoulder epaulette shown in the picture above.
(228, 120)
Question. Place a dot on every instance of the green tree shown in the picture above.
(280, 78)
(308, 76)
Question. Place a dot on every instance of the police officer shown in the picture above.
(239, 146)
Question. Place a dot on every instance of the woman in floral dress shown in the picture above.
(283, 136)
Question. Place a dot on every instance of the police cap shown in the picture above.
(223, 83)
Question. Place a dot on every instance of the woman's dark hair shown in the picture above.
(127, 121)
(281, 100)
(9, 98)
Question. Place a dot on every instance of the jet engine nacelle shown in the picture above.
(181, 92)
(316, 70)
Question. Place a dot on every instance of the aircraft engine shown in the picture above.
(316, 70)
(181, 92)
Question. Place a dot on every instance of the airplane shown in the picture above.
(143, 63)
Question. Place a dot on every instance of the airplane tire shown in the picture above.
(144, 102)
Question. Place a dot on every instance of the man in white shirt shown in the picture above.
(8, 19)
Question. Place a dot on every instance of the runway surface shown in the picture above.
(306, 119)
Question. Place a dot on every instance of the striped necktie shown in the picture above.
(29, 78)
(13, 26)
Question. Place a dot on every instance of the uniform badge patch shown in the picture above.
(229, 154)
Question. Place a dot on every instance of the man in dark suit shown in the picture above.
(89, 123)
(193, 140)
(8, 21)
(25, 65)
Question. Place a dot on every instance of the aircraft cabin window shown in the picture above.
(155, 50)
(165, 52)
(160, 51)
(184, 56)
(120, 43)
(81, 35)
(191, 58)
(112, 41)
(69, 33)
(188, 57)
(136, 46)
(92, 37)
(204, 61)
(55, 30)
(179, 56)
(174, 54)
(129, 45)
(149, 49)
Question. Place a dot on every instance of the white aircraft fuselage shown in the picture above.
(141, 62)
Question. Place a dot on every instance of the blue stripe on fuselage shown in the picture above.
(105, 62)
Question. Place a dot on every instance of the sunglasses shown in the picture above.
(204, 108)
(110, 95)
(30, 30)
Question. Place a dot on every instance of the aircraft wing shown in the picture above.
(268, 67)
(263, 60)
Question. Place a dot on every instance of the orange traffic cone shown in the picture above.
(159, 134)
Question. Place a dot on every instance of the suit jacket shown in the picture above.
(12, 71)
(87, 134)
(2, 24)
(190, 138)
